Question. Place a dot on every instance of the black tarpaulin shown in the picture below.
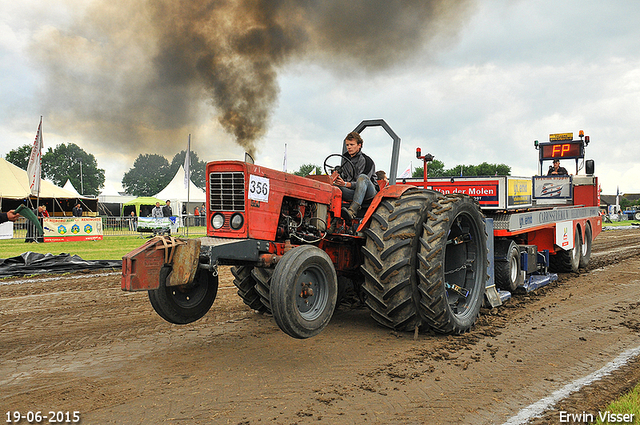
(35, 263)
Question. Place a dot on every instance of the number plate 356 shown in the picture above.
(258, 188)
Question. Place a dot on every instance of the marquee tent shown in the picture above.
(14, 190)
(69, 186)
(177, 194)
(110, 202)
(142, 206)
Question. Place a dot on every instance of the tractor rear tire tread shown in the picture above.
(388, 261)
(246, 284)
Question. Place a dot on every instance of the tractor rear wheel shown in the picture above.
(585, 254)
(186, 303)
(262, 276)
(245, 281)
(452, 268)
(303, 291)
(567, 261)
(426, 262)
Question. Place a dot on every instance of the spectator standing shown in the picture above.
(166, 210)
(132, 222)
(156, 212)
(77, 210)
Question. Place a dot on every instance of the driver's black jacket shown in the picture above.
(363, 165)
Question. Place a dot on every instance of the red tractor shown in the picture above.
(418, 258)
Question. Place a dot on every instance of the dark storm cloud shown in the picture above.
(133, 72)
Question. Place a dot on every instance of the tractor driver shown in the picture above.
(359, 184)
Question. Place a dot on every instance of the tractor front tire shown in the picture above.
(186, 303)
(303, 291)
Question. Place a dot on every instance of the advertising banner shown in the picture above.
(72, 229)
(485, 191)
(558, 187)
(150, 223)
(518, 192)
(6, 230)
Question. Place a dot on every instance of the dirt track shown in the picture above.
(78, 343)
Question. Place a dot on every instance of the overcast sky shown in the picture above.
(475, 84)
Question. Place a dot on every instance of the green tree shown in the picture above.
(64, 162)
(19, 156)
(486, 169)
(435, 168)
(306, 169)
(149, 175)
(624, 203)
(197, 168)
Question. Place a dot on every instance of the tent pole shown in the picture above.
(188, 177)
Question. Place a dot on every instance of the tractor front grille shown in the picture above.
(226, 191)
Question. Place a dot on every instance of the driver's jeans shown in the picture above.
(364, 190)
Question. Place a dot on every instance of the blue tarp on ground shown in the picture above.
(36, 263)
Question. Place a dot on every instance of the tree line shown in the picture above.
(152, 172)
(435, 169)
(149, 175)
(64, 162)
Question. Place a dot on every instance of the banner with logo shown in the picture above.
(150, 223)
(72, 229)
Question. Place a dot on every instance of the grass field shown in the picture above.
(109, 248)
(628, 404)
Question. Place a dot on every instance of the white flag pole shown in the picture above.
(187, 177)
(284, 162)
(34, 169)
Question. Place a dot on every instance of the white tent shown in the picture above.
(177, 193)
(110, 202)
(69, 186)
(14, 190)
(15, 184)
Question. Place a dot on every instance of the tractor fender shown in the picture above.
(392, 191)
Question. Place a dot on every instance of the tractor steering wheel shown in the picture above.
(344, 161)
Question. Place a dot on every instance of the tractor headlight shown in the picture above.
(217, 221)
(236, 221)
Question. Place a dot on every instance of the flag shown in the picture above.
(187, 164)
(284, 162)
(406, 173)
(35, 163)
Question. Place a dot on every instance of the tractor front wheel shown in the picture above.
(303, 291)
(186, 303)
